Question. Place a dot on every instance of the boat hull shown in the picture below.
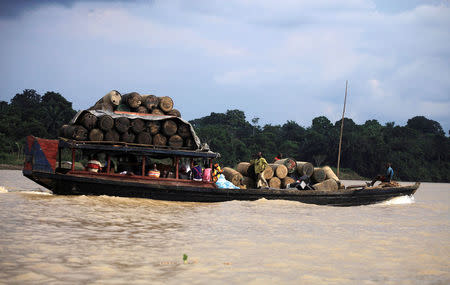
(184, 190)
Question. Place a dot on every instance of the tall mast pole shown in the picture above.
(342, 128)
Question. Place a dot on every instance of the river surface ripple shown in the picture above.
(50, 239)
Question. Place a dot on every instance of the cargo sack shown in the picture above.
(225, 184)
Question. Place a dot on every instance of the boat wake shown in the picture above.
(27, 191)
(400, 200)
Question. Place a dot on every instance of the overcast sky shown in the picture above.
(276, 60)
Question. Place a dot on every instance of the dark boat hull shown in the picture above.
(172, 190)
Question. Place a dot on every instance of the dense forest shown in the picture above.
(31, 113)
(418, 151)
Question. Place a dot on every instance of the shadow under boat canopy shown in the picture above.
(136, 149)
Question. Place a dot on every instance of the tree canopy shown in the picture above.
(418, 151)
(31, 113)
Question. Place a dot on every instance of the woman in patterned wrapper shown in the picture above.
(154, 172)
(217, 171)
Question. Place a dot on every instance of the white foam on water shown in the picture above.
(36, 192)
(400, 200)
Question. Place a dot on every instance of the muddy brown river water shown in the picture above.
(50, 239)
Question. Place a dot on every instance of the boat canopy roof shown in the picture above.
(137, 150)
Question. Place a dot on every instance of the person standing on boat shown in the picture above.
(384, 178)
(197, 172)
(260, 164)
(278, 157)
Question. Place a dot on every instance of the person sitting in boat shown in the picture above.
(278, 157)
(183, 174)
(217, 171)
(126, 165)
(383, 178)
(260, 164)
(302, 183)
(112, 168)
(206, 175)
(154, 172)
(93, 165)
(225, 184)
(197, 172)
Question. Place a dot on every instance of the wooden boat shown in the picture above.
(43, 158)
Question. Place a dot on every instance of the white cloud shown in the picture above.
(118, 26)
(245, 77)
(302, 51)
(376, 90)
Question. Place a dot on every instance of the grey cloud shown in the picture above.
(15, 8)
(389, 6)
(396, 63)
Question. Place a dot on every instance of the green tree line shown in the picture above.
(418, 151)
(30, 113)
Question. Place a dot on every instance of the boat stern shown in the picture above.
(40, 157)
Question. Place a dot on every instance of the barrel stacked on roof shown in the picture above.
(132, 118)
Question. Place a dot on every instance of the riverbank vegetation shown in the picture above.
(418, 151)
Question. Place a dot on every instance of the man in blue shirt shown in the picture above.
(197, 172)
(389, 173)
(384, 178)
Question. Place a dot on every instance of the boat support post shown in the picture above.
(143, 166)
(109, 164)
(73, 159)
(177, 162)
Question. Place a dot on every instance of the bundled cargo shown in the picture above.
(137, 103)
(149, 120)
(290, 164)
(233, 176)
(305, 168)
(243, 167)
(268, 173)
(327, 185)
(103, 126)
(287, 171)
(286, 181)
(279, 170)
(329, 173)
(318, 175)
(133, 118)
(109, 102)
(274, 182)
